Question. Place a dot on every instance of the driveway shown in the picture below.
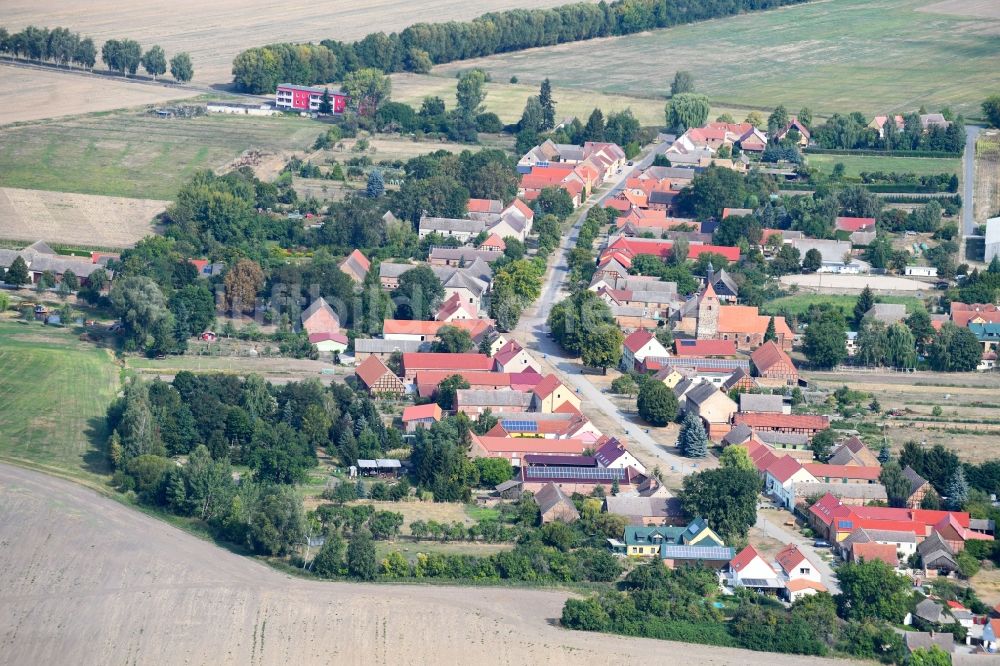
(771, 523)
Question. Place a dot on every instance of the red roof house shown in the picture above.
(704, 348)
(852, 224)
(414, 362)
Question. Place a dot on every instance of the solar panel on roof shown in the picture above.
(708, 363)
(697, 552)
(587, 473)
(519, 426)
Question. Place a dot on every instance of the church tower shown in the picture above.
(708, 314)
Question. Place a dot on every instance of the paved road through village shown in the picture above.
(531, 332)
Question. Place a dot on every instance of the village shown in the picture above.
(608, 334)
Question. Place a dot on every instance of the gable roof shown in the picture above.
(317, 305)
(416, 412)
(705, 348)
(852, 224)
(637, 339)
(804, 421)
(761, 402)
(446, 361)
(547, 386)
(747, 319)
(821, 470)
(876, 551)
(357, 262)
(789, 557)
(744, 558)
(551, 495)
(371, 370)
(769, 354)
(784, 468)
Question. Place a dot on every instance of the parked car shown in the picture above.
(821, 543)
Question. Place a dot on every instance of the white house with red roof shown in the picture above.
(780, 478)
(454, 308)
(512, 357)
(613, 455)
(801, 576)
(637, 346)
(493, 244)
(750, 570)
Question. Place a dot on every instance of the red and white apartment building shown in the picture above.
(307, 98)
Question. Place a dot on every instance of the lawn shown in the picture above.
(54, 390)
(843, 55)
(799, 303)
(855, 164)
(134, 154)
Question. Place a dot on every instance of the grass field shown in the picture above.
(854, 165)
(799, 303)
(842, 55)
(507, 99)
(134, 154)
(54, 391)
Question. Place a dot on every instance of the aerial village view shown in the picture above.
(639, 331)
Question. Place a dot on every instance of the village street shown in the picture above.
(772, 524)
(532, 329)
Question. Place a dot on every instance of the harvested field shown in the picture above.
(215, 32)
(855, 164)
(191, 602)
(987, 194)
(135, 154)
(76, 219)
(50, 94)
(54, 390)
(866, 55)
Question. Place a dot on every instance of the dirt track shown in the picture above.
(84, 576)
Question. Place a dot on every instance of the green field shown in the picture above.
(832, 55)
(507, 99)
(855, 164)
(54, 391)
(799, 303)
(133, 154)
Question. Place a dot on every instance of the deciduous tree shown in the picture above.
(657, 404)
(154, 61)
(687, 110)
(242, 283)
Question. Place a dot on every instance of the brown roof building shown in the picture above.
(378, 378)
(553, 504)
(356, 266)
(773, 366)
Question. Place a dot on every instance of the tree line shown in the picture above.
(63, 47)
(423, 45)
(851, 132)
